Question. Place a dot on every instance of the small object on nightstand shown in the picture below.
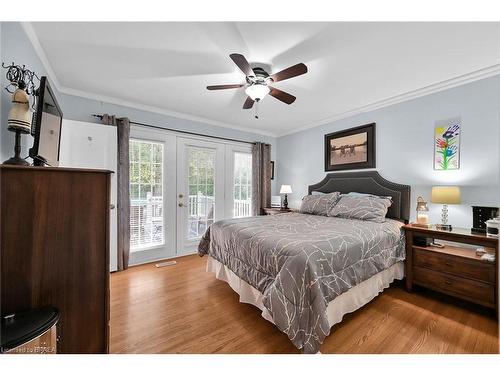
(275, 201)
(422, 241)
(422, 213)
(479, 217)
(488, 257)
(445, 195)
(480, 251)
(492, 227)
(438, 245)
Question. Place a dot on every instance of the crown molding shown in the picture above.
(407, 96)
(30, 32)
(161, 111)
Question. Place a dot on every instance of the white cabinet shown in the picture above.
(89, 145)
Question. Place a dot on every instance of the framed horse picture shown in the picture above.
(350, 149)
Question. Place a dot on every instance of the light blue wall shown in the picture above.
(404, 147)
(15, 46)
(404, 135)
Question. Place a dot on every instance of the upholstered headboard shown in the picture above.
(369, 182)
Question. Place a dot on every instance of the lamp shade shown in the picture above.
(286, 189)
(19, 115)
(257, 91)
(445, 195)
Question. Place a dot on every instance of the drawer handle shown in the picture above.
(447, 282)
(448, 264)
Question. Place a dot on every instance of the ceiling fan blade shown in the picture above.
(242, 63)
(223, 87)
(283, 96)
(248, 103)
(290, 72)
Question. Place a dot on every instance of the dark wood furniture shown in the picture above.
(276, 210)
(455, 270)
(55, 250)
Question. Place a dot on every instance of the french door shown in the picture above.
(200, 190)
(152, 195)
(178, 187)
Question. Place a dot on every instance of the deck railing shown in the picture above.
(146, 216)
(199, 204)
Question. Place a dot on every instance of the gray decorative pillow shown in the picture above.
(317, 193)
(367, 195)
(366, 207)
(318, 204)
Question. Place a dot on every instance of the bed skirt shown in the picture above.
(347, 302)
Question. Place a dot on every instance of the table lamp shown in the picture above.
(21, 84)
(445, 195)
(285, 189)
(19, 122)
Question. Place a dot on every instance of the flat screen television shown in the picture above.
(46, 127)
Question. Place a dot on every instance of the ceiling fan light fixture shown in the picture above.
(257, 91)
(257, 80)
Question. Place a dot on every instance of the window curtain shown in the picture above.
(123, 186)
(261, 177)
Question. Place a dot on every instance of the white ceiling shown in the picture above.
(351, 65)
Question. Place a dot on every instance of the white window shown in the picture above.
(146, 194)
(242, 184)
(201, 200)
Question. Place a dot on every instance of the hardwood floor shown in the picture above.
(183, 309)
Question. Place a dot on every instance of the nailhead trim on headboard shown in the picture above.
(369, 182)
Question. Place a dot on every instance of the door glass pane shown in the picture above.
(242, 185)
(146, 194)
(201, 200)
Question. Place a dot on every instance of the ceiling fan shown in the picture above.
(258, 81)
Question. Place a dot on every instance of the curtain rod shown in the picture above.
(184, 131)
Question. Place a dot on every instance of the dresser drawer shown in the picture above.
(470, 268)
(471, 290)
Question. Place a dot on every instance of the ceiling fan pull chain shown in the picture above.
(257, 110)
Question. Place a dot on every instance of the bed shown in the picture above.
(305, 272)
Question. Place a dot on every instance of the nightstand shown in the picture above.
(455, 270)
(276, 210)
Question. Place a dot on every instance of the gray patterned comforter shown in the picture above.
(301, 262)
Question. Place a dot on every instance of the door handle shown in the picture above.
(181, 204)
(112, 206)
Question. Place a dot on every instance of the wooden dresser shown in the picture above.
(55, 250)
(454, 269)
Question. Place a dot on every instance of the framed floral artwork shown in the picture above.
(447, 144)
